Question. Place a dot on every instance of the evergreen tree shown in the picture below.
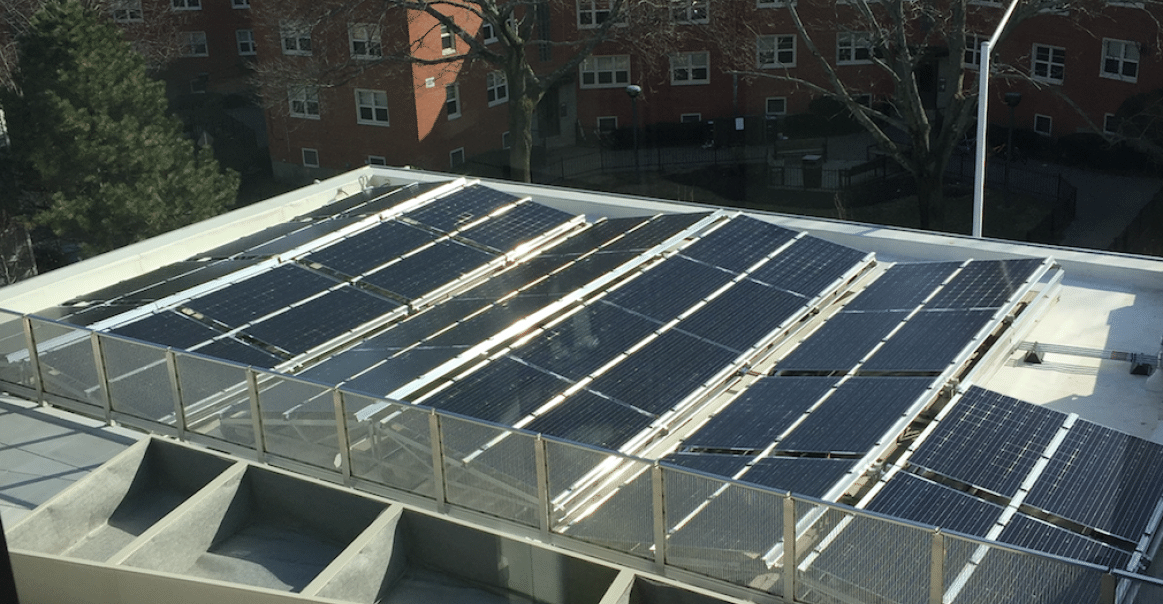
(93, 131)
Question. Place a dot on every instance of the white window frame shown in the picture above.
(1107, 118)
(296, 38)
(592, 13)
(447, 40)
(770, 3)
(304, 152)
(1042, 68)
(376, 160)
(608, 119)
(972, 51)
(691, 11)
(767, 105)
(242, 4)
(1120, 59)
(1049, 124)
(186, 4)
(505, 140)
(452, 95)
(775, 47)
(850, 45)
(126, 11)
(199, 83)
(303, 102)
(456, 158)
(194, 44)
(244, 38)
(364, 42)
(685, 67)
(373, 103)
(615, 69)
(496, 88)
(488, 32)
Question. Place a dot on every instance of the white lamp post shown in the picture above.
(982, 105)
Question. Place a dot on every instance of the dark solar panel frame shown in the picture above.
(587, 418)
(760, 414)
(1030, 533)
(856, 416)
(841, 343)
(656, 231)
(809, 476)
(429, 269)
(928, 342)
(460, 208)
(168, 329)
(985, 284)
(903, 287)
(743, 315)
(306, 326)
(914, 498)
(301, 237)
(739, 244)
(669, 289)
(368, 249)
(808, 266)
(523, 223)
(239, 352)
(586, 340)
(504, 391)
(244, 301)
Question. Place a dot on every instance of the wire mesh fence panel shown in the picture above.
(17, 366)
(850, 557)
(215, 399)
(730, 536)
(139, 380)
(570, 470)
(958, 555)
(615, 511)
(298, 420)
(67, 365)
(1003, 576)
(394, 448)
(490, 469)
(1138, 589)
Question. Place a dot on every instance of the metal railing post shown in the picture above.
(33, 358)
(260, 445)
(439, 488)
(1107, 588)
(659, 498)
(937, 568)
(541, 457)
(341, 434)
(789, 548)
(176, 392)
(102, 376)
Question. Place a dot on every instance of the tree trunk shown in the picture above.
(931, 200)
(522, 103)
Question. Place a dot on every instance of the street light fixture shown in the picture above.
(634, 91)
(982, 104)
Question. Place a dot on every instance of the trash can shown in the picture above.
(813, 166)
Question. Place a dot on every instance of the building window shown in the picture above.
(1110, 124)
(1049, 63)
(691, 118)
(304, 102)
(496, 87)
(245, 38)
(187, 4)
(447, 40)
(371, 107)
(606, 71)
(452, 100)
(125, 11)
(194, 44)
(690, 68)
(853, 48)
(592, 13)
(972, 57)
(1042, 124)
(771, 3)
(296, 38)
(456, 158)
(690, 11)
(310, 158)
(488, 32)
(240, 3)
(198, 84)
(365, 41)
(377, 160)
(505, 140)
(607, 124)
(776, 105)
(1120, 60)
(777, 51)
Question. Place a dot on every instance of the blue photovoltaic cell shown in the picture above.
(596, 235)
(711, 463)
(842, 342)
(928, 342)
(1024, 531)
(239, 352)
(301, 237)
(743, 315)
(808, 266)
(374, 247)
(591, 419)
(578, 274)
(914, 498)
(401, 368)
(503, 391)
(517, 277)
(303, 327)
(253, 240)
(669, 289)
(260, 295)
(405, 193)
(168, 329)
(1103, 479)
(429, 269)
(739, 244)
(516, 226)
(485, 324)
(762, 413)
(455, 210)
(664, 372)
(989, 441)
(813, 477)
(163, 282)
(856, 416)
(903, 287)
(985, 284)
(586, 340)
(655, 232)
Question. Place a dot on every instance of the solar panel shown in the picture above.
(516, 226)
(303, 327)
(841, 342)
(808, 266)
(928, 342)
(516, 277)
(593, 420)
(762, 413)
(1102, 479)
(667, 290)
(167, 328)
(260, 295)
(239, 352)
(578, 274)
(503, 391)
(988, 440)
(662, 373)
(743, 315)
(985, 284)
(739, 244)
(586, 340)
(457, 209)
(596, 235)
(654, 232)
(428, 269)
(368, 249)
(1005, 577)
(904, 286)
(300, 237)
(486, 324)
(163, 282)
(710, 463)
(1024, 531)
(711, 527)
(240, 245)
(400, 368)
(802, 475)
(856, 416)
(914, 498)
(405, 193)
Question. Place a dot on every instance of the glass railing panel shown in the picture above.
(298, 420)
(490, 469)
(66, 360)
(393, 447)
(215, 399)
(614, 510)
(16, 368)
(139, 380)
(998, 575)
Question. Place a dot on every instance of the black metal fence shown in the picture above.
(651, 159)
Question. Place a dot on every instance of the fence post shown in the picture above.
(260, 445)
(341, 433)
(176, 391)
(102, 375)
(659, 516)
(1107, 588)
(439, 490)
(789, 548)
(937, 568)
(33, 357)
(541, 457)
